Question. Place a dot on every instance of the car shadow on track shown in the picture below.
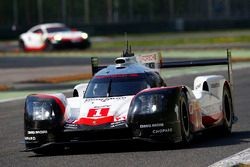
(213, 139)
(103, 147)
(205, 140)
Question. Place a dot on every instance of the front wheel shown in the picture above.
(48, 46)
(21, 45)
(184, 119)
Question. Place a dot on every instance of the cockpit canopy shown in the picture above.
(121, 84)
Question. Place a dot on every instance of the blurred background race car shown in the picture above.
(52, 35)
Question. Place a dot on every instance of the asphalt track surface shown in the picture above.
(204, 150)
(39, 61)
(22, 62)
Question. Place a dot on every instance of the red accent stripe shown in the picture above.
(210, 119)
(95, 121)
(158, 88)
(72, 39)
(58, 101)
(117, 76)
(35, 48)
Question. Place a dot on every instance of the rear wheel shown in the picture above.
(48, 46)
(184, 118)
(227, 111)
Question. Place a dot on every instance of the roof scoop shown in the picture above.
(120, 61)
(125, 60)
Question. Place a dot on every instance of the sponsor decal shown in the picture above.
(105, 99)
(148, 58)
(104, 106)
(31, 138)
(143, 126)
(98, 112)
(151, 60)
(198, 86)
(162, 131)
(71, 126)
(33, 132)
(118, 123)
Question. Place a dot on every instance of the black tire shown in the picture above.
(85, 45)
(75, 93)
(21, 45)
(184, 119)
(48, 46)
(227, 107)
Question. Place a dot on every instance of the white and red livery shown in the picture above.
(52, 35)
(129, 100)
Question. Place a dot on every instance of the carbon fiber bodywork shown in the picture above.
(161, 124)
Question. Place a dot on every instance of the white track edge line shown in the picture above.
(242, 157)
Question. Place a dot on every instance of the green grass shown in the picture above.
(173, 42)
(217, 53)
(112, 46)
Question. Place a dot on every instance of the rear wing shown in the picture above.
(154, 61)
(205, 62)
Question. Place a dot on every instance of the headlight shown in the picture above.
(74, 113)
(84, 35)
(148, 104)
(57, 37)
(42, 111)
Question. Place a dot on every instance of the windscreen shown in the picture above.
(57, 29)
(116, 85)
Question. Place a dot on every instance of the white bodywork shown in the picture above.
(35, 38)
(201, 102)
(204, 100)
(210, 101)
(80, 88)
(95, 108)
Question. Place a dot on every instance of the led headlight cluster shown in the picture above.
(148, 104)
(42, 111)
(84, 35)
(58, 37)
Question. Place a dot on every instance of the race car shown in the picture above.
(52, 35)
(130, 101)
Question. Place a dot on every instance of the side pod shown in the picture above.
(154, 114)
